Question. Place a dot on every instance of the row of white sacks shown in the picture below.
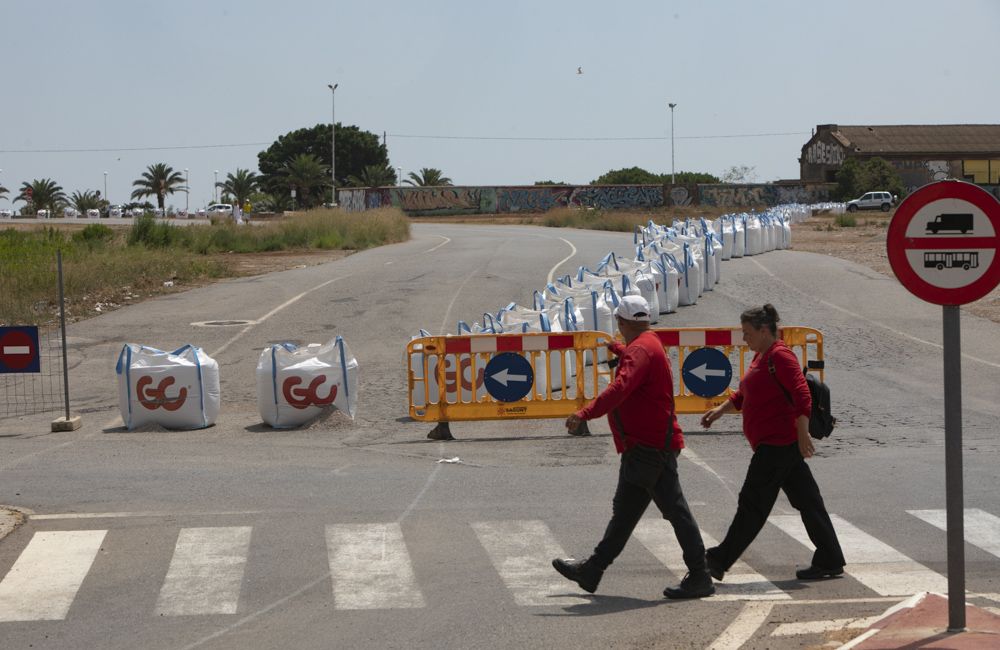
(181, 389)
(672, 267)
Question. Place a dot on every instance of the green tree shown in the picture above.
(692, 178)
(374, 176)
(239, 185)
(639, 176)
(428, 177)
(854, 178)
(356, 149)
(46, 194)
(86, 200)
(3, 190)
(551, 183)
(307, 175)
(158, 180)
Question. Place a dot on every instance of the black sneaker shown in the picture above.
(579, 571)
(818, 573)
(694, 585)
(714, 568)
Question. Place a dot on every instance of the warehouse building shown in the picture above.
(920, 153)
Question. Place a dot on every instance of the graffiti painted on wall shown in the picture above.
(681, 195)
(824, 153)
(445, 200)
(610, 197)
(532, 199)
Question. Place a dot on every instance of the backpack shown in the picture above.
(821, 421)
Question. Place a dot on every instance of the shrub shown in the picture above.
(95, 233)
(846, 220)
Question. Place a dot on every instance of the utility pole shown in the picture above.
(673, 179)
(333, 143)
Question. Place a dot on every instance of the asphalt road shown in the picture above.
(464, 547)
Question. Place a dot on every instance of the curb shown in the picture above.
(10, 519)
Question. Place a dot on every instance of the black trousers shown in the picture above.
(773, 468)
(631, 501)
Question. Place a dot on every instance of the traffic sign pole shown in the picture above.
(954, 486)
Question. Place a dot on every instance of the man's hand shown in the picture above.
(806, 447)
(711, 416)
(572, 422)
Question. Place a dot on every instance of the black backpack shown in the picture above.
(821, 421)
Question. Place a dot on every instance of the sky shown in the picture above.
(98, 90)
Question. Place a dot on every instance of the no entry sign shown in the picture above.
(943, 243)
(19, 349)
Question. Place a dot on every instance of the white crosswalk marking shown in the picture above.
(522, 552)
(43, 582)
(206, 572)
(371, 568)
(741, 582)
(871, 562)
(981, 528)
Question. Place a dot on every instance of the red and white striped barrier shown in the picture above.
(507, 343)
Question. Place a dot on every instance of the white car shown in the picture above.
(872, 201)
(219, 209)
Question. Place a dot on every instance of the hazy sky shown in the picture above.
(207, 84)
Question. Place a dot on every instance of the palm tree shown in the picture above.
(373, 176)
(305, 173)
(241, 185)
(158, 180)
(46, 194)
(3, 190)
(86, 200)
(428, 177)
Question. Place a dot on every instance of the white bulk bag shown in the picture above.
(727, 233)
(739, 235)
(713, 260)
(643, 283)
(296, 384)
(754, 238)
(515, 318)
(176, 390)
(692, 278)
(668, 279)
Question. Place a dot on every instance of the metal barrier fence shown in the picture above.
(541, 375)
(33, 372)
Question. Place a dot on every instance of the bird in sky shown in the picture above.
(579, 70)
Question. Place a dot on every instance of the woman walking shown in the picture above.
(774, 399)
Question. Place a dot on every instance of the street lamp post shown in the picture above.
(333, 142)
(400, 180)
(187, 190)
(108, 201)
(672, 107)
(215, 188)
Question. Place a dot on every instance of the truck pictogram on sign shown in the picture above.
(951, 222)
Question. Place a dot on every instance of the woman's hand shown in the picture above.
(711, 416)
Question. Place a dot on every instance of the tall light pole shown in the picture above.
(187, 190)
(106, 193)
(672, 107)
(215, 188)
(333, 142)
(400, 181)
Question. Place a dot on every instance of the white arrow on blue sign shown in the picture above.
(509, 377)
(707, 372)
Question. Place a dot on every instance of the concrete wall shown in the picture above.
(429, 201)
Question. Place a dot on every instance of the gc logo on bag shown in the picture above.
(155, 398)
(303, 398)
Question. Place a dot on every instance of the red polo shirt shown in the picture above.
(768, 416)
(643, 395)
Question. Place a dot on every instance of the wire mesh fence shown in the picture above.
(32, 371)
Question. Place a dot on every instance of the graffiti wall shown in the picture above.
(428, 201)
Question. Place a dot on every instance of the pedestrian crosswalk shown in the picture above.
(370, 565)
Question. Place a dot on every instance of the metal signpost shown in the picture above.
(943, 246)
(707, 372)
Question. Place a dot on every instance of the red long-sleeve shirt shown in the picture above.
(643, 395)
(768, 416)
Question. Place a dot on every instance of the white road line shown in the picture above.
(744, 626)
(141, 513)
(741, 583)
(522, 553)
(981, 528)
(371, 567)
(206, 572)
(859, 317)
(446, 240)
(45, 578)
(870, 561)
(818, 627)
(552, 272)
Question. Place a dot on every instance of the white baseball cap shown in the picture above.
(633, 308)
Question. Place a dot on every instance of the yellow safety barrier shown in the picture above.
(480, 376)
(477, 377)
(682, 342)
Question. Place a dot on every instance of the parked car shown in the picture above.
(872, 201)
(219, 209)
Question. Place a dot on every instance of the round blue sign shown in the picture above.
(509, 377)
(707, 372)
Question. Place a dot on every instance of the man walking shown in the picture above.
(640, 408)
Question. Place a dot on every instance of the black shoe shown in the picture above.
(818, 573)
(714, 568)
(694, 585)
(579, 571)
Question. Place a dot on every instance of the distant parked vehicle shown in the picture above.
(872, 201)
(954, 221)
(70, 213)
(6, 214)
(219, 209)
(43, 214)
(93, 213)
(115, 212)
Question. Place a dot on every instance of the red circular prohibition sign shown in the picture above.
(21, 360)
(897, 243)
